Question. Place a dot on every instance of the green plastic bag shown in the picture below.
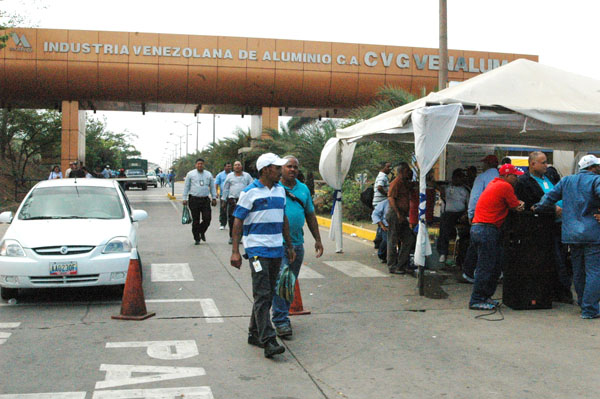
(286, 284)
(186, 218)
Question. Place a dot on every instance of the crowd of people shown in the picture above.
(77, 169)
(476, 207)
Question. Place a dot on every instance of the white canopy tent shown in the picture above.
(522, 103)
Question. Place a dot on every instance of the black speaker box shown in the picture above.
(528, 260)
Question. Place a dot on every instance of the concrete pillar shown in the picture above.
(73, 134)
(268, 120)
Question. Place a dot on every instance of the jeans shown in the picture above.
(470, 262)
(263, 289)
(281, 307)
(223, 212)
(486, 240)
(586, 277)
(398, 235)
(447, 230)
(382, 250)
(200, 206)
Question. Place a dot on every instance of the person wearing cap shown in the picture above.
(490, 213)
(106, 172)
(298, 209)
(530, 189)
(490, 172)
(260, 216)
(580, 194)
(199, 189)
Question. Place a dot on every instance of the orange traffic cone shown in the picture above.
(134, 304)
(296, 308)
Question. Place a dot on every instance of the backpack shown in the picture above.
(366, 197)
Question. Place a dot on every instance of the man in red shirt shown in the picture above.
(490, 212)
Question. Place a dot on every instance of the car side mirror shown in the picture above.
(6, 217)
(138, 215)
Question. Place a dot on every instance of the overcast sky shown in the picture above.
(562, 33)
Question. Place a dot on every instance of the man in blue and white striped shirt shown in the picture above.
(260, 216)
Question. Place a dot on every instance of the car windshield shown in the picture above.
(72, 202)
(134, 172)
(151, 174)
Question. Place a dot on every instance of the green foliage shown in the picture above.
(103, 147)
(29, 140)
(387, 98)
(353, 208)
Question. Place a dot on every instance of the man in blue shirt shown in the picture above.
(378, 218)
(298, 208)
(580, 194)
(490, 172)
(219, 181)
(260, 216)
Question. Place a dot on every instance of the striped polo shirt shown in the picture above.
(262, 210)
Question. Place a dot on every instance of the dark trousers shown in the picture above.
(400, 236)
(486, 240)
(199, 206)
(564, 271)
(447, 230)
(231, 204)
(382, 250)
(223, 213)
(263, 289)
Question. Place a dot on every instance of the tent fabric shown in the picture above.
(334, 164)
(433, 127)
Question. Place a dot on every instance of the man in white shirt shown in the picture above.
(456, 197)
(232, 187)
(380, 192)
(199, 190)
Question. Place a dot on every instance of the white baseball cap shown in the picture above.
(269, 159)
(588, 161)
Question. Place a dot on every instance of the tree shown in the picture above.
(103, 147)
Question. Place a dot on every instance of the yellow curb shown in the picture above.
(349, 229)
(171, 197)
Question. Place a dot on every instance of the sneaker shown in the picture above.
(253, 340)
(272, 348)
(586, 317)
(468, 279)
(488, 304)
(221, 227)
(284, 331)
(442, 258)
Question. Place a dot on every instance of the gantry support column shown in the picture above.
(73, 134)
(260, 123)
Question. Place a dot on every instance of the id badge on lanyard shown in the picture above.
(256, 264)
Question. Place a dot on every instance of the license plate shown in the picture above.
(63, 268)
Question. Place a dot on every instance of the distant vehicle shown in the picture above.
(133, 178)
(136, 163)
(152, 179)
(68, 233)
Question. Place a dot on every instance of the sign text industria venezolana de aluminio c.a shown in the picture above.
(369, 59)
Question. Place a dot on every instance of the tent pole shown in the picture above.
(443, 72)
(339, 244)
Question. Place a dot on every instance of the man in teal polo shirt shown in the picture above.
(298, 208)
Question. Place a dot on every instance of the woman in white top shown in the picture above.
(55, 173)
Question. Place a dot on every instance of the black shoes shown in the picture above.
(273, 348)
(284, 332)
(252, 340)
(203, 237)
(197, 242)
(230, 241)
(396, 270)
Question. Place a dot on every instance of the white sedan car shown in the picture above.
(68, 233)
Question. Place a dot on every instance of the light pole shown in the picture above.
(214, 136)
(187, 125)
(173, 134)
(197, 128)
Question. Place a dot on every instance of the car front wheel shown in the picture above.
(8, 293)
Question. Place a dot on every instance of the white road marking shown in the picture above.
(4, 326)
(174, 206)
(307, 272)
(159, 393)
(210, 310)
(121, 374)
(165, 350)
(48, 395)
(171, 272)
(355, 269)
(4, 337)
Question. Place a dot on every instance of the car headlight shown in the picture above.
(11, 248)
(117, 244)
